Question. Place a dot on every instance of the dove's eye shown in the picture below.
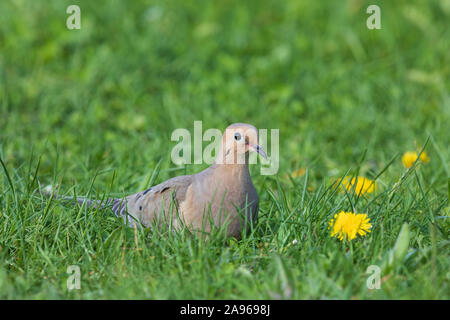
(237, 136)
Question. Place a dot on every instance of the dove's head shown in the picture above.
(239, 139)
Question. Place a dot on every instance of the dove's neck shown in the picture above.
(230, 174)
(231, 169)
(231, 165)
(231, 156)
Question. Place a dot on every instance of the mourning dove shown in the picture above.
(223, 194)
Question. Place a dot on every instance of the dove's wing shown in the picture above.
(160, 202)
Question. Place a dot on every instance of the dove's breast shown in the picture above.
(230, 205)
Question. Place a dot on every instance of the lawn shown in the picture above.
(93, 110)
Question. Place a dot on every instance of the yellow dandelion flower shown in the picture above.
(410, 157)
(298, 173)
(424, 157)
(348, 225)
(363, 185)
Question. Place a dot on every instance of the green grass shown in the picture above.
(93, 110)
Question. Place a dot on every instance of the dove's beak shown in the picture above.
(259, 149)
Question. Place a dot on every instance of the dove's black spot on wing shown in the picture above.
(145, 192)
(164, 189)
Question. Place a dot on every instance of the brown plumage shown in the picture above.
(222, 194)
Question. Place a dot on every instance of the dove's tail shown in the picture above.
(118, 206)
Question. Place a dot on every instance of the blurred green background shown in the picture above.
(139, 69)
(108, 96)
